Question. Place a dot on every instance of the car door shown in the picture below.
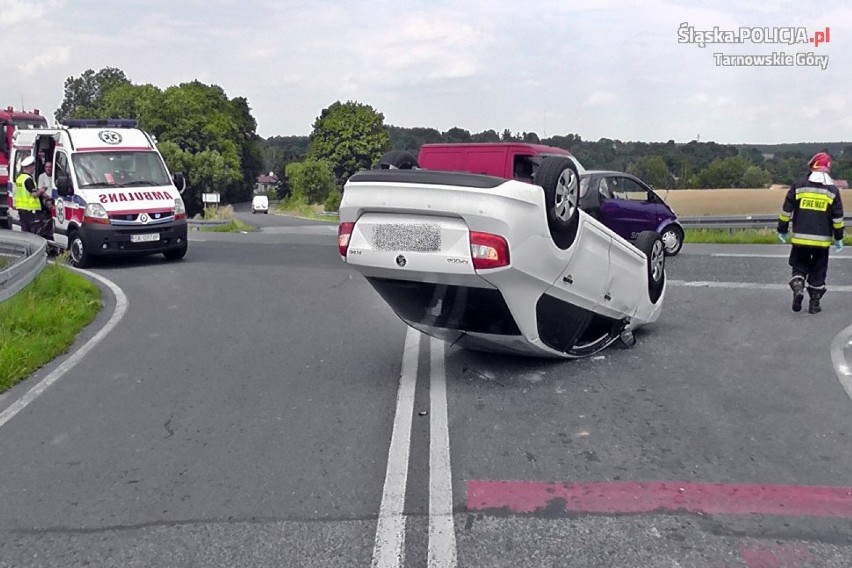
(628, 206)
(584, 280)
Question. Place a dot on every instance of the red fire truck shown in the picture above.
(10, 120)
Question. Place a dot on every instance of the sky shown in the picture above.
(631, 71)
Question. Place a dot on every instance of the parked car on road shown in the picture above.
(628, 206)
(490, 263)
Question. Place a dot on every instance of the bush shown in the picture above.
(333, 201)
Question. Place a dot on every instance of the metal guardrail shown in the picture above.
(29, 255)
(736, 222)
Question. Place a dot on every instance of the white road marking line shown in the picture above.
(389, 548)
(747, 285)
(73, 359)
(834, 256)
(841, 342)
(442, 532)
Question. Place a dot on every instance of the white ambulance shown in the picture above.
(112, 192)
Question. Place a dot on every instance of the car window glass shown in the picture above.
(584, 186)
(630, 189)
(604, 189)
(523, 168)
(60, 165)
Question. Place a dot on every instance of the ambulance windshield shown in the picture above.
(120, 169)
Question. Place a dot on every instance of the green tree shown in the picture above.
(652, 170)
(454, 135)
(202, 121)
(350, 136)
(755, 176)
(140, 102)
(311, 180)
(726, 172)
(84, 95)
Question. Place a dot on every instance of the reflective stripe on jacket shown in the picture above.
(24, 200)
(816, 212)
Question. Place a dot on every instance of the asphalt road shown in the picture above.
(257, 404)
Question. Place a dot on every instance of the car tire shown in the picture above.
(672, 239)
(397, 160)
(651, 243)
(77, 254)
(560, 181)
(176, 254)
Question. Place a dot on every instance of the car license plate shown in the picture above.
(145, 238)
(416, 237)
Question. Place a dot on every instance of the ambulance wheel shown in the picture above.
(176, 254)
(77, 254)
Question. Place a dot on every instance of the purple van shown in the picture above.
(628, 206)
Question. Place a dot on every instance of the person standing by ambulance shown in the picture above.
(816, 210)
(28, 196)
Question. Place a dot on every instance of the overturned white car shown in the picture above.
(494, 264)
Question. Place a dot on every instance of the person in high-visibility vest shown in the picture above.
(815, 208)
(27, 196)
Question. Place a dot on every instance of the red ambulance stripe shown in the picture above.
(646, 497)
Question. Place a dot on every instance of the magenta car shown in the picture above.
(628, 206)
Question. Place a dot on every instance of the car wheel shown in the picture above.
(397, 160)
(558, 177)
(176, 254)
(77, 253)
(651, 243)
(672, 239)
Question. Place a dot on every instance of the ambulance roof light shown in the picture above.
(99, 123)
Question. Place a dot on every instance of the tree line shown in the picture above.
(199, 131)
(212, 139)
(693, 165)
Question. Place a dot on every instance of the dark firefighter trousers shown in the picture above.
(810, 263)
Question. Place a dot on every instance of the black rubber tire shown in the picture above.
(397, 160)
(176, 254)
(651, 243)
(77, 254)
(674, 243)
(560, 181)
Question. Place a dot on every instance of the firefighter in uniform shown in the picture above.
(27, 197)
(816, 210)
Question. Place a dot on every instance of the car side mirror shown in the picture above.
(179, 181)
(64, 187)
(4, 148)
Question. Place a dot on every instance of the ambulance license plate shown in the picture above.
(145, 238)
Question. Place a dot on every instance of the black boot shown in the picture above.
(813, 303)
(797, 285)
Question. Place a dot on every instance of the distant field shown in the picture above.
(699, 202)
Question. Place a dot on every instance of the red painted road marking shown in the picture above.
(646, 497)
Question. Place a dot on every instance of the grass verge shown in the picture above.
(300, 208)
(739, 236)
(225, 213)
(40, 322)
